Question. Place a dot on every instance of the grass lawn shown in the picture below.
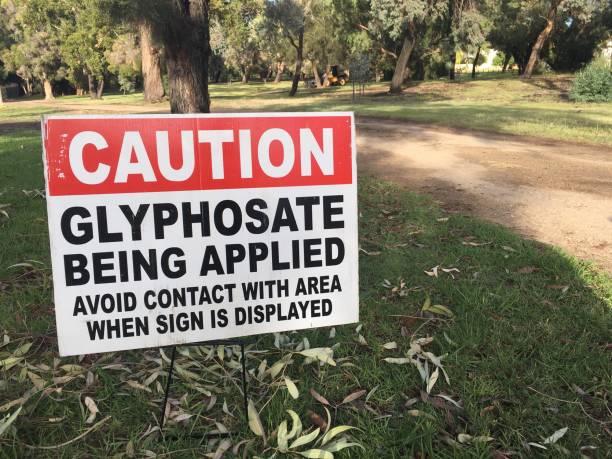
(537, 107)
(498, 103)
(523, 335)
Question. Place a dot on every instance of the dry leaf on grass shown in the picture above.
(354, 396)
(318, 397)
(93, 410)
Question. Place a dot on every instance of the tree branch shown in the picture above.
(382, 49)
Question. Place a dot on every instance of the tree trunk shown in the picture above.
(153, 87)
(27, 86)
(100, 88)
(453, 61)
(298, 64)
(537, 47)
(91, 82)
(188, 81)
(245, 74)
(317, 77)
(187, 61)
(217, 76)
(48, 89)
(507, 58)
(475, 63)
(280, 68)
(400, 65)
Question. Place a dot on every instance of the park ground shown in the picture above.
(523, 330)
(515, 152)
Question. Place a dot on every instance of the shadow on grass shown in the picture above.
(531, 325)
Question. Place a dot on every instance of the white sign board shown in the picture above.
(172, 229)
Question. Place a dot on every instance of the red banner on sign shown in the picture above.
(132, 154)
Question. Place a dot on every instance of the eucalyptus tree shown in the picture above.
(467, 28)
(234, 34)
(35, 35)
(124, 60)
(290, 19)
(85, 43)
(404, 21)
(583, 10)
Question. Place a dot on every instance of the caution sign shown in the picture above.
(171, 229)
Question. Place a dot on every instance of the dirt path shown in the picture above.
(554, 192)
(557, 193)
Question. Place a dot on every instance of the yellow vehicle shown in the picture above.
(335, 76)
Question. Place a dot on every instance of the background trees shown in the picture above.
(235, 35)
(289, 19)
(173, 47)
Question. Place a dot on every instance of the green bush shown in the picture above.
(593, 83)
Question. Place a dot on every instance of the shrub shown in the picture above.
(593, 83)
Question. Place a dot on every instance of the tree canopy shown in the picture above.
(174, 47)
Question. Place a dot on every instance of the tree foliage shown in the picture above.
(593, 83)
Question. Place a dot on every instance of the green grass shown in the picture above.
(537, 107)
(495, 103)
(526, 350)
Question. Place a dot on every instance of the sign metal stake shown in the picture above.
(162, 417)
(245, 401)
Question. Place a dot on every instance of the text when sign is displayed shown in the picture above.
(175, 229)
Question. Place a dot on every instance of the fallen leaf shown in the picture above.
(137, 385)
(318, 397)
(305, 439)
(317, 420)
(254, 421)
(432, 380)
(93, 410)
(556, 436)
(6, 423)
(317, 454)
(354, 396)
(398, 360)
(222, 448)
(324, 354)
(292, 388)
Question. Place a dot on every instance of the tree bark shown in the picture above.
(475, 63)
(298, 63)
(188, 81)
(453, 62)
(91, 82)
(280, 68)
(245, 74)
(100, 89)
(544, 34)
(187, 61)
(48, 89)
(317, 77)
(400, 65)
(153, 87)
